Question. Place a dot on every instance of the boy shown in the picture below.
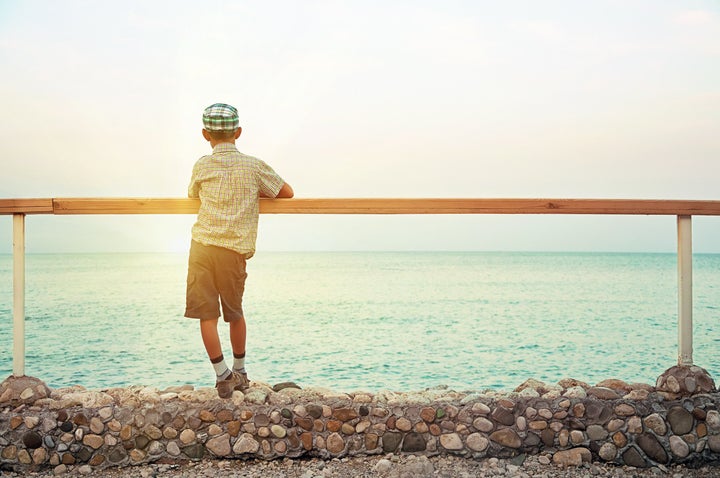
(229, 185)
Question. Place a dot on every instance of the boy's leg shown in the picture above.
(238, 336)
(227, 381)
(211, 340)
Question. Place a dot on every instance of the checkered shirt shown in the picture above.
(229, 185)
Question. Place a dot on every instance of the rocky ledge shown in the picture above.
(570, 424)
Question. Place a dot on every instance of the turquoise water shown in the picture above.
(367, 321)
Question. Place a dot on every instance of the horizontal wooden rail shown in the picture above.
(26, 206)
(371, 206)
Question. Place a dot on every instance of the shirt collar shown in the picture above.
(224, 148)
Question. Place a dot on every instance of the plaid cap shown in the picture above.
(220, 117)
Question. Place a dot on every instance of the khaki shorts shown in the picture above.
(215, 273)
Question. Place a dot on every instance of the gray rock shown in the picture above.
(391, 441)
(632, 457)
(680, 420)
(596, 432)
(678, 446)
(503, 416)
(608, 452)
(117, 455)
(313, 410)
(713, 419)
(173, 449)
(194, 452)
(714, 443)
(414, 442)
(652, 447)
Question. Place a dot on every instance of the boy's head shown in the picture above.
(221, 123)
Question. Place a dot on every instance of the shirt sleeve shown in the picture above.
(269, 182)
(194, 188)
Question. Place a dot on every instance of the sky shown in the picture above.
(527, 99)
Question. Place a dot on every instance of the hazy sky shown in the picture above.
(592, 99)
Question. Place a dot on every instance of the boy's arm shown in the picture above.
(286, 191)
(194, 188)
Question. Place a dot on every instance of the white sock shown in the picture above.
(239, 364)
(221, 370)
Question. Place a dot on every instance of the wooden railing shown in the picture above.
(683, 209)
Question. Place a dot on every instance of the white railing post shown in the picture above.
(19, 295)
(685, 346)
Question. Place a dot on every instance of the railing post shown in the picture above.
(684, 226)
(18, 295)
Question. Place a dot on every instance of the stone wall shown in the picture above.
(568, 423)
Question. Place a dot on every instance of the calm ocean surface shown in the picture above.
(367, 321)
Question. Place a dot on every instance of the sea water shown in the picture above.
(371, 321)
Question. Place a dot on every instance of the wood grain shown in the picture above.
(372, 206)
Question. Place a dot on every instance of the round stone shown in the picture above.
(93, 441)
(678, 446)
(506, 437)
(314, 411)
(608, 452)
(335, 443)
(477, 442)
(596, 432)
(173, 448)
(483, 424)
(714, 443)
(391, 441)
(575, 392)
(427, 414)
(117, 455)
(32, 440)
(414, 442)
(680, 420)
(187, 436)
(452, 441)
(403, 424)
(713, 419)
(246, 444)
(656, 423)
(480, 408)
(572, 457)
(624, 410)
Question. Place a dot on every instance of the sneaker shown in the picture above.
(244, 382)
(236, 381)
